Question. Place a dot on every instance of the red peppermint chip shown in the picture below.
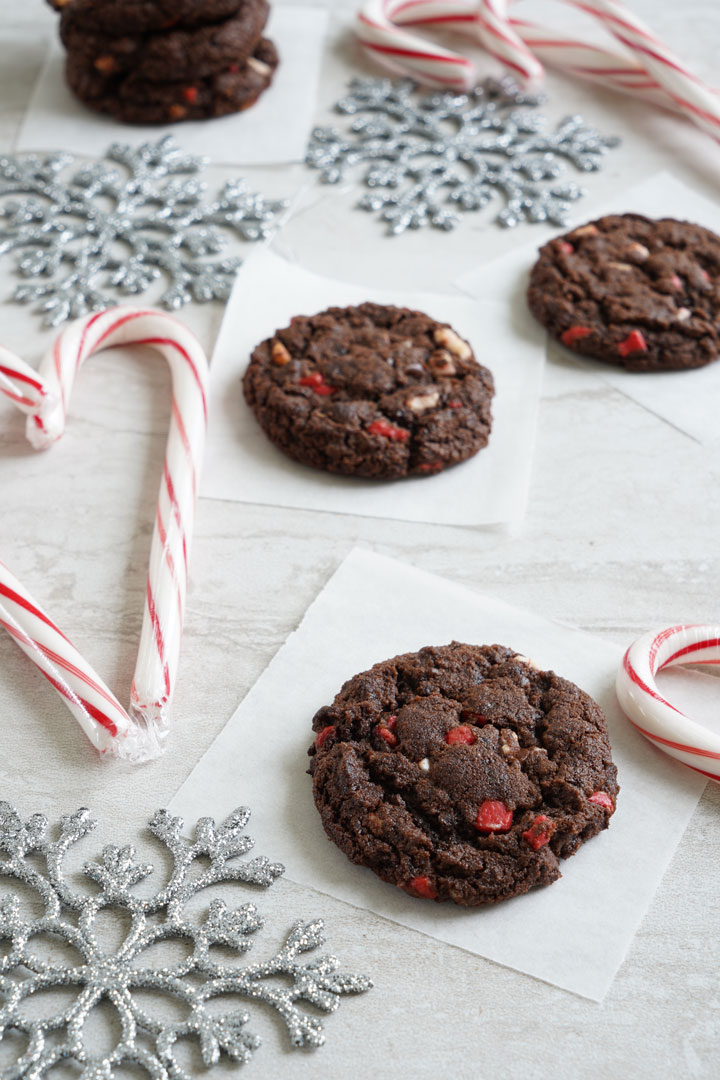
(388, 430)
(676, 282)
(328, 732)
(391, 722)
(386, 734)
(472, 717)
(422, 886)
(601, 798)
(566, 248)
(461, 734)
(190, 93)
(316, 382)
(574, 333)
(539, 832)
(493, 816)
(105, 64)
(633, 343)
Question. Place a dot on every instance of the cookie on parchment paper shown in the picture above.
(172, 56)
(462, 772)
(141, 16)
(140, 101)
(372, 391)
(632, 291)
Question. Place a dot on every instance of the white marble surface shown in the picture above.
(621, 535)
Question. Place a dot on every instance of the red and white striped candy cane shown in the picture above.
(682, 87)
(378, 29)
(645, 68)
(137, 734)
(665, 725)
(503, 42)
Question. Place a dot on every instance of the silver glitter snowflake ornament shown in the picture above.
(122, 228)
(434, 157)
(70, 917)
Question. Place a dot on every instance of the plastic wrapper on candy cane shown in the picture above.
(656, 718)
(138, 733)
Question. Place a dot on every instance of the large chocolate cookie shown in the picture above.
(139, 16)
(462, 772)
(632, 291)
(174, 55)
(138, 101)
(370, 391)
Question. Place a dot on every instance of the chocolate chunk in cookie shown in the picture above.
(371, 391)
(462, 772)
(174, 55)
(631, 291)
(139, 101)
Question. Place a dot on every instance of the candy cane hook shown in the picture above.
(138, 733)
(654, 717)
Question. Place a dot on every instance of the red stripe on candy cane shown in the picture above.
(157, 631)
(394, 50)
(686, 748)
(97, 714)
(633, 675)
(704, 772)
(29, 606)
(177, 415)
(439, 19)
(711, 643)
(666, 726)
(20, 376)
(170, 561)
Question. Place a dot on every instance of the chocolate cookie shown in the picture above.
(370, 391)
(140, 16)
(632, 291)
(175, 55)
(462, 772)
(138, 101)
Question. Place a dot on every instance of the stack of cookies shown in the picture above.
(161, 61)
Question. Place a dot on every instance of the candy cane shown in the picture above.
(664, 724)
(139, 733)
(502, 41)
(377, 30)
(681, 85)
(649, 71)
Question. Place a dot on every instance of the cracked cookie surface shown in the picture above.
(462, 772)
(373, 391)
(632, 291)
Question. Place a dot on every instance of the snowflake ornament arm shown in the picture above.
(123, 228)
(433, 158)
(195, 981)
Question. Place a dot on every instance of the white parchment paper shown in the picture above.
(574, 933)
(689, 400)
(274, 131)
(242, 464)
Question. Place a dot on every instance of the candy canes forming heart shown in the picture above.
(138, 733)
(643, 704)
(646, 67)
